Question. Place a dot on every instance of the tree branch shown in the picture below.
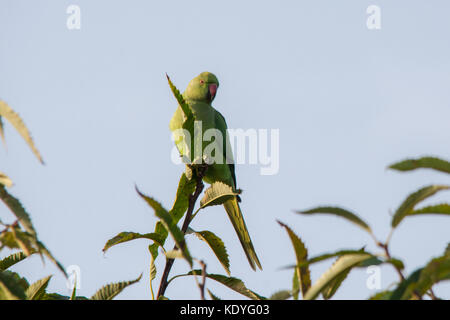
(187, 220)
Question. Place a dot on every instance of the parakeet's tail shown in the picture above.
(235, 215)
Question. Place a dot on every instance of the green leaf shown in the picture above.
(73, 296)
(217, 246)
(212, 295)
(343, 213)
(230, 282)
(424, 162)
(152, 276)
(174, 254)
(405, 289)
(110, 291)
(325, 256)
(128, 236)
(13, 118)
(188, 123)
(437, 270)
(217, 194)
(5, 180)
(301, 253)
(17, 209)
(342, 265)
(37, 289)
(281, 295)
(383, 295)
(407, 207)
(329, 291)
(443, 208)
(57, 296)
(43, 250)
(12, 286)
(7, 239)
(183, 104)
(11, 260)
(295, 284)
(25, 241)
(185, 188)
(170, 225)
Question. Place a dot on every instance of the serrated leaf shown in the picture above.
(217, 246)
(437, 270)
(174, 254)
(11, 260)
(183, 104)
(17, 209)
(7, 239)
(26, 242)
(383, 295)
(169, 224)
(424, 162)
(185, 188)
(218, 193)
(57, 296)
(234, 284)
(15, 120)
(443, 208)
(12, 286)
(43, 250)
(5, 180)
(301, 254)
(340, 212)
(407, 207)
(281, 295)
(212, 295)
(404, 289)
(73, 296)
(36, 290)
(152, 276)
(325, 256)
(329, 291)
(128, 236)
(110, 291)
(188, 124)
(295, 284)
(343, 264)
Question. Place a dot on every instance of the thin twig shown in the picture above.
(201, 285)
(385, 247)
(187, 220)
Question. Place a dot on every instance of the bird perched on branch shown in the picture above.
(199, 95)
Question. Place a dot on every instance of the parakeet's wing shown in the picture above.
(221, 124)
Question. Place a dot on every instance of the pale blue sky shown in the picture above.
(348, 101)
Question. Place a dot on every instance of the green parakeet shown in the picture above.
(199, 95)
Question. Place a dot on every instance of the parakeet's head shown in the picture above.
(202, 88)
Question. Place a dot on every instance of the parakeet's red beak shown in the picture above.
(212, 90)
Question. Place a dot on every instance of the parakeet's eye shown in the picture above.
(202, 81)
